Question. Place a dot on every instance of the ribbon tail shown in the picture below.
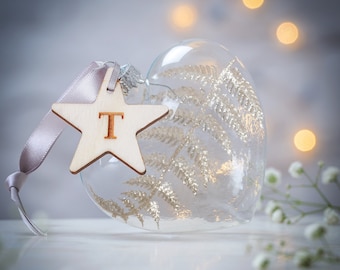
(84, 89)
(29, 223)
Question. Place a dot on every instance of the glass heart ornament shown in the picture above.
(204, 161)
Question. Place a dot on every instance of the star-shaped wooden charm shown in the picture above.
(109, 125)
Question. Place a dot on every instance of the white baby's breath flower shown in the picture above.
(278, 216)
(330, 175)
(321, 163)
(296, 169)
(331, 217)
(288, 221)
(272, 177)
(303, 258)
(261, 261)
(271, 206)
(315, 231)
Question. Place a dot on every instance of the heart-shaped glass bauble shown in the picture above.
(204, 161)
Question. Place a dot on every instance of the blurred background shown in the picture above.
(291, 48)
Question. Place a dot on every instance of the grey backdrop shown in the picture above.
(45, 44)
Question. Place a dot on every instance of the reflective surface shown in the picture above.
(108, 244)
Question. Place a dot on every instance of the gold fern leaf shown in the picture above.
(158, 161)
(229, 114)
(153, 210)
(110, 206)
(240, 88)
(207, 123)
(148, 182)
(144, 203)
(178, 166)
(167, 193)
(186, 95)
(205, 74)
(154, 186)
(189, 95)
(133, 210)
(199, 154)
(195, 168)
(139, 196)
(169, 135)
(186, 173)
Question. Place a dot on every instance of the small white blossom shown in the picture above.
(271, 206)
(331, 217)
(278, 216)
(272, 177)
(321, 163)
(296, 169)
(261, 261)
(315, 231)
(330, 175)
(288, 221)
(303, 258)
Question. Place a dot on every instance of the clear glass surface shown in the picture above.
(204, 161)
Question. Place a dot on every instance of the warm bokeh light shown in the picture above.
(287, 33)
(304, 140)
(184, 16)
(253, 4)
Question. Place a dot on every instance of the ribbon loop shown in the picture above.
(115, 74)
(84, 89)
(16, 180)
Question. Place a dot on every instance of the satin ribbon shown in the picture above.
(84, 89)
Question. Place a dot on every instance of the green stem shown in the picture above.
(314, 211)
(279, 192)
(278, 200)
(302, 186)
(318, 174)
(335, 207)
(337, 184)
(287, 255)
(293, 200)
(315, 185)
(302, 215)
(329, 256)
(310, 179)
(310, 203)
(297, 209)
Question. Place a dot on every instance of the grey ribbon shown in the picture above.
(84, 89)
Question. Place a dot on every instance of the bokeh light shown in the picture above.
(184, 16)
(253, 4)
(304, 140)
(287, 33)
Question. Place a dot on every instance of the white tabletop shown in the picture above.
(109, 244)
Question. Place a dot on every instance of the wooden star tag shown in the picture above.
(109, 125)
